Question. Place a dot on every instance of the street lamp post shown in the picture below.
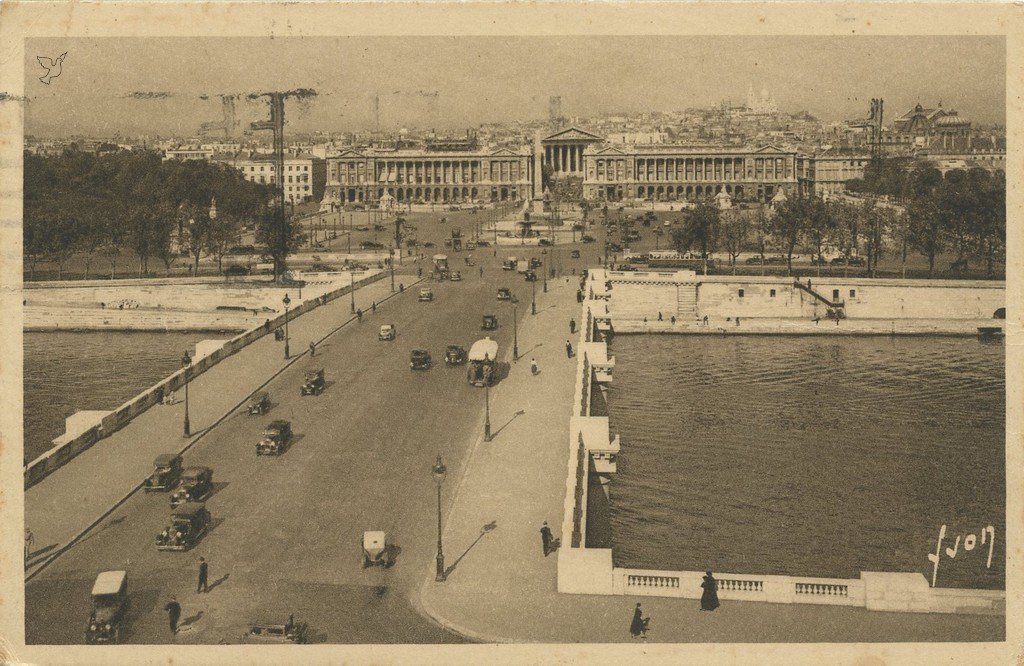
(352, 290)
(439, 471)
(391, 263)
(533, 301)
(186, 361)
(544, 270)
(487, 412)
(287, 301)
(515, 335)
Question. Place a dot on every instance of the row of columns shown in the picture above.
(431, 194)
(566, 158)
(434, 171)
(713, 168)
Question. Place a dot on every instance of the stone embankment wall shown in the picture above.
(193, 304)
(583, 570)
(70, 445)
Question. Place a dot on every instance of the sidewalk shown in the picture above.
(501, 588)
(61, 507)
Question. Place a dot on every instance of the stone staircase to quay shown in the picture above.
(686, 301)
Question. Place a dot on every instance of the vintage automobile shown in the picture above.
(375, 550)
(387, 332)
(454, 355)
(270, 632)
(531, 276)
(196, 485)
(419, 359)
(428, 244)
(455, 276)
(545, 242)
(470, 245)
(535, 262)
(109, 614)
(277, 437)
(504, 294)
(260, 404)
(575, 254)
(588, 239)
(189, 522)
(483, 243)
(481, 362)
(509, 264)
(426, 294)
(490, 322)
(314, 383)
(166, 473)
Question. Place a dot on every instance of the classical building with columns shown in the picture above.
(563, 151)
(420, 176)
(678, 173)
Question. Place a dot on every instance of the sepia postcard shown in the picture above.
(513, 333)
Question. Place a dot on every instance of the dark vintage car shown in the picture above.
(419, 359)
(428, 244)
(166, 472)
(508, 265)
(455, 276)
(189, 522)
(314, 383)
(775, 261)
(259, 404)
(454, 355)
(544, 242)
(504, 294)
(276, 439)
(271, 632)
(236, 269)
(575, 254)
(490, 322)
(531, 276)
(109, 614)
(483, 243)
(196, 485)
(588, 239)
(614, 247)
(535, 262)
(754, 261)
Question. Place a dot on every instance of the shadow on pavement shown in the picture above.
(217, 582)
(217, 487)
(190, 620)
(483, 530)
(32, 555)
(508, 423)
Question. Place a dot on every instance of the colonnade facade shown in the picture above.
(565, 158)
(430, 177)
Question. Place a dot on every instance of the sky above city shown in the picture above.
(496, 79)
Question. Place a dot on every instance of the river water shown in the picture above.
(809, 456)
(66, 372)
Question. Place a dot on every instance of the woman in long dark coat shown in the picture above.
(709, 600)
(636, 627)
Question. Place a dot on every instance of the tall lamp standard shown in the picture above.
(287, 301)
(186, 361)
(352, 290)
(487, 411)
(544, 269)
(533, 302)
(391, 264)
(439, 471)
(515, 335)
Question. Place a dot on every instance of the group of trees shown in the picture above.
(917, 210)
(81, 205)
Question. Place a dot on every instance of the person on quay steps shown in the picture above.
(709, 599)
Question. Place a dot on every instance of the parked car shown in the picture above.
(371, 245)
(189, 522)
(490, 322)
(109, 614)
(544, 242)
(419, 359)
(775, 261)
(483, 243)
(428, 244)
(166, 472)
(754, 261)
(575, 254)
(454, 355)
(362, 227)
(504, 294)
(196, 485)
(426, 294)
(270, 632)
(531, 276)
(535, 262)
(387, 332)
(314, 383)
(455, 276)
(470, 245)
(236, 269)
(277, 437)
(858, 261)
(588, 239)
(614, 247)
(260, 404)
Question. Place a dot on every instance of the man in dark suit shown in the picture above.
(204, 571)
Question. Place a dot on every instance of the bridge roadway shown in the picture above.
(286, 532)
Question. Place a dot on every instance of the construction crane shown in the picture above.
(228, 125)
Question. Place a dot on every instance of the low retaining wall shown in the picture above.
(583, 570)
(64, 451)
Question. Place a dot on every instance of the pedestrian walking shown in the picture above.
(419, 272)
(568, 349)
(173, 609)
(373, 306)
(545, 538)
(30, 540)
(572, 326)
(709, 599)
(673, 320)
(204, 572)
(312, 349)
(481, 271)
(533, 366)
(638, 627)
(737, 321)
(660, 318)
(705, 320)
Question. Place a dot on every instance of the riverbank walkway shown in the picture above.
(64, 505)
(794, 326)
(502, 589)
